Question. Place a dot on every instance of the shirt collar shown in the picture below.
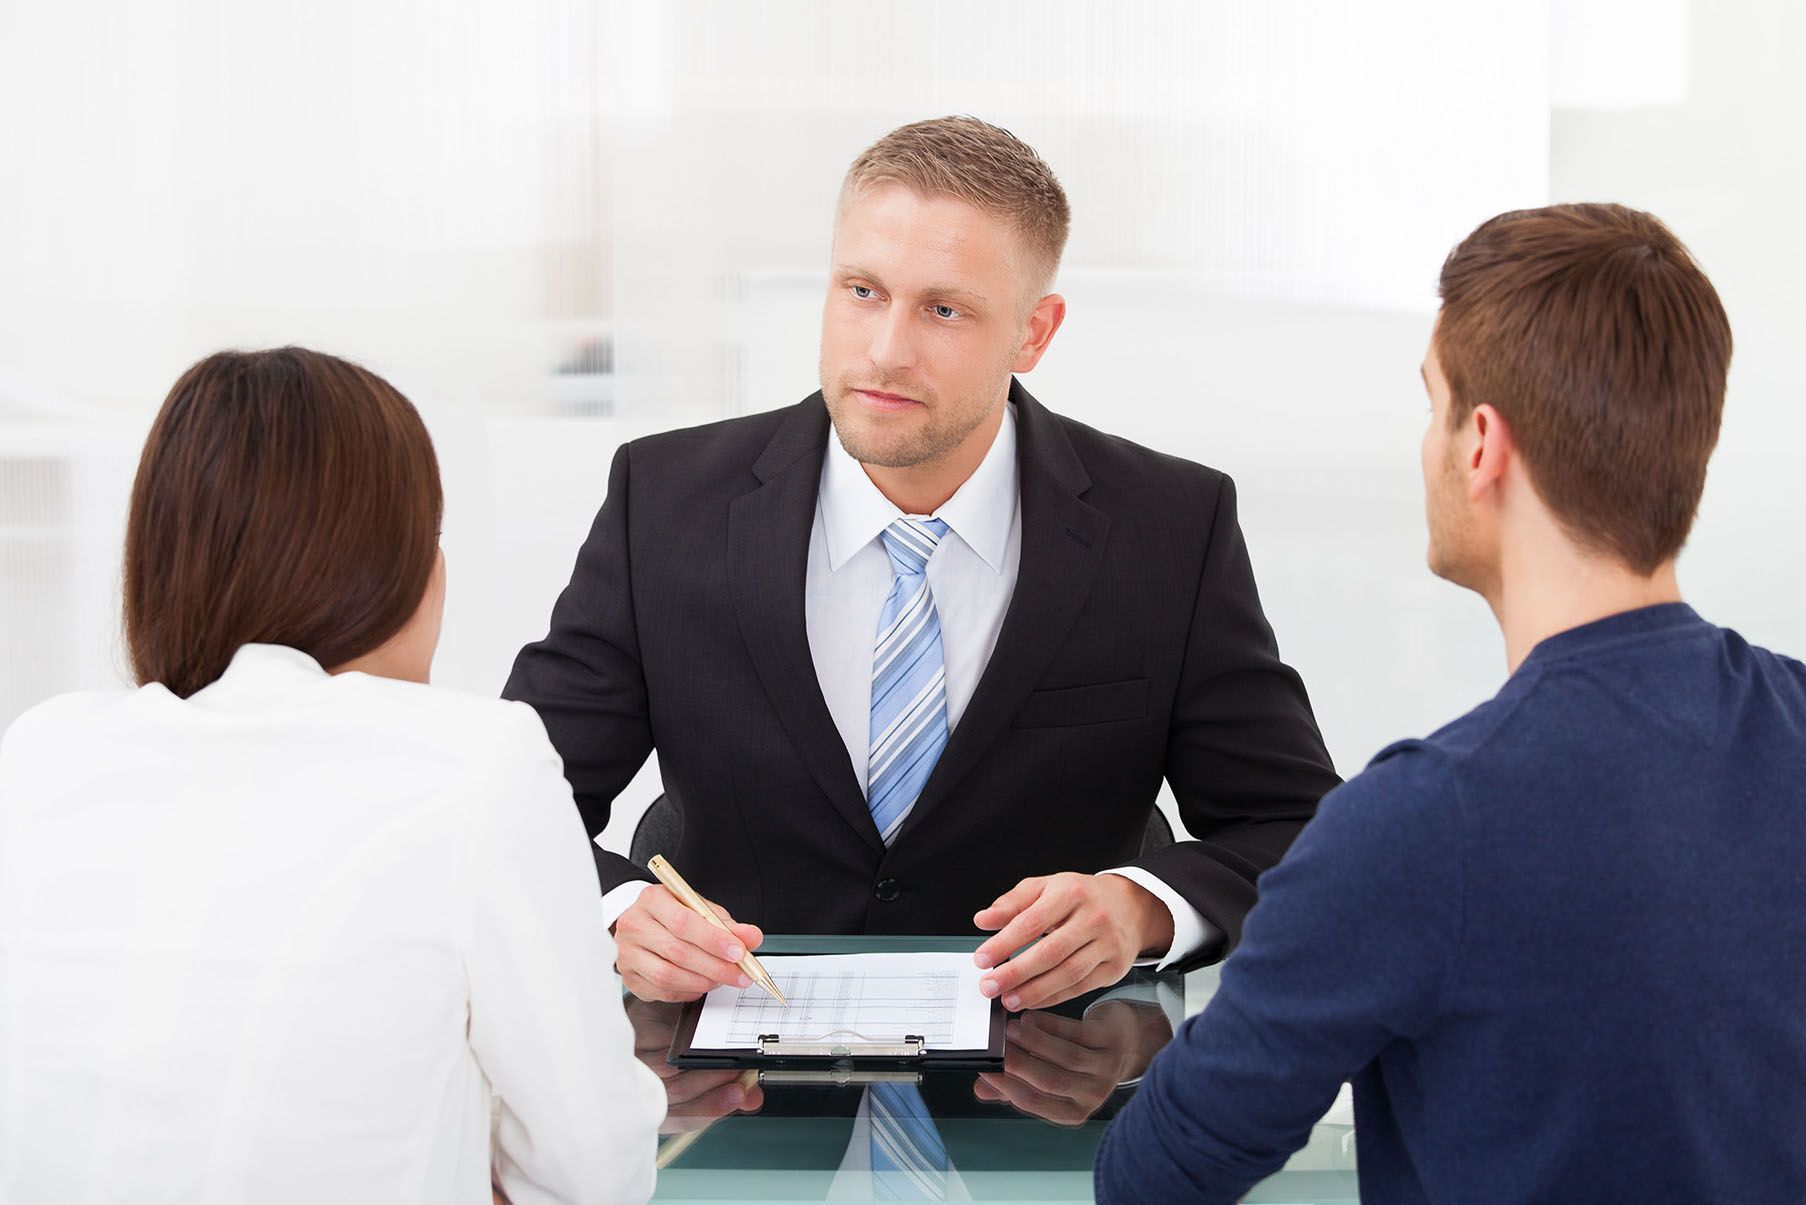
(854, 512)
(1588, 637)
(259, 671)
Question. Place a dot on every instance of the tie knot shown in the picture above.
(911, 542)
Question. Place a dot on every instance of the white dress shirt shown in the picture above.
(305, 938)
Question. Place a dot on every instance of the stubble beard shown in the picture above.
(945, 429)
(1453, 555)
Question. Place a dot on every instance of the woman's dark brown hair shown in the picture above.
(284, 497)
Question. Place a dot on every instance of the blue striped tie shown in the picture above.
(909, 1156)
(909, 679)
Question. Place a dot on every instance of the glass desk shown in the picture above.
(1026, 1134)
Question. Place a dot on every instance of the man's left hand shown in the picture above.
(1092, 928)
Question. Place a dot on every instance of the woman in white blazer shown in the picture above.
(284, 923)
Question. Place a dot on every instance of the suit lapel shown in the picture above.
(1062, 548)
(768, 564)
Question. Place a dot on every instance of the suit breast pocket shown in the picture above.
(1105, 703)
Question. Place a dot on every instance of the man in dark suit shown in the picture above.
(928, 674)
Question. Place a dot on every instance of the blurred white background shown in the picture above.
(560, 225)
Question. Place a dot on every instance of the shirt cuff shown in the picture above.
(619, 899)
(1190, 929)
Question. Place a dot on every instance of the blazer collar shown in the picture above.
(258, 672)
(768, 567)
(803, 434)
(1043, 445)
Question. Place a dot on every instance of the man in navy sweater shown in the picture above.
(1559, 947)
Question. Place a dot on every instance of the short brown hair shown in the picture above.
(284, 497)
(1597, 337)
(984, 165)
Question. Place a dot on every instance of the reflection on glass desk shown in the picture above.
(1027, 1133)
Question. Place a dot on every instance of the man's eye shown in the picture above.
(945, 311)
(863, 293)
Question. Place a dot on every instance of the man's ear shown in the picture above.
(1489, 449)
(1043, 321)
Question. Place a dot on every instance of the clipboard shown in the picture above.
(840, 1057)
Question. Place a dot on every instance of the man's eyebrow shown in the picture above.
(854, 270)
(965, 297)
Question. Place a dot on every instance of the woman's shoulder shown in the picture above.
(67, 716)
(354, 724)
(467, 725)
(467, 752)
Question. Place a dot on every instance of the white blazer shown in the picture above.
(305, 938)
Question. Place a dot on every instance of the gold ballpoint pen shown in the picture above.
(674, 882)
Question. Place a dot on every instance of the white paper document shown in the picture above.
(856, 998)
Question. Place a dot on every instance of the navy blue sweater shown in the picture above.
(1559, 948)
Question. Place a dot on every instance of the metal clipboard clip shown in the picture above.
(835, 1044)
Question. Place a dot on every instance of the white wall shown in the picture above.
(467, 194)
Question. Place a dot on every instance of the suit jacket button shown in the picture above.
(889, 889)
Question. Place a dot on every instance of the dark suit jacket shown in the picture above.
(1133, 649)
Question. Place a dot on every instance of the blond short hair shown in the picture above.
(979, 163)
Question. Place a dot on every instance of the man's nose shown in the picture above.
(893, 344)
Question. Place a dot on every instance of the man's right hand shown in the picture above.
(667, 952)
